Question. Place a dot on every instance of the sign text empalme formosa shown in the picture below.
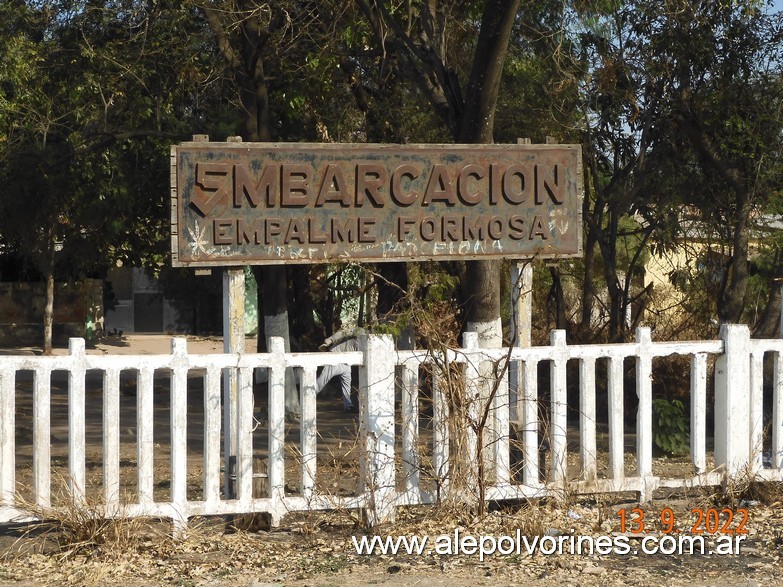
(265, 203)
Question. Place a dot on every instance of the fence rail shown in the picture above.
(414, 432)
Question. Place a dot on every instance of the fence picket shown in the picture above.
(111, 439)
(179, 430)
(777, 413)
(473, 399)
(756, 410)
(530, 442)
(616, 425)
(42, 451)
(732, 409)
(276, 419)
(7, 437)
(245, 426)
(145, 449)
(587, 409)
(212, 429)
(377, 428)
(440, 434)
(410, 427)
(76, 421)
(699, 412)
(644, 435)
(308, 432)
(501, 411)
(559, 409)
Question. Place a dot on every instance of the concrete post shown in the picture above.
(233, 342)
(732, 404)
(521, 327)
(558, 439)
(644, 435)
(376, 393)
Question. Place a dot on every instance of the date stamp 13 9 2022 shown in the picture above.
(700, 521)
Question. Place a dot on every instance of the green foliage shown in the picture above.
(682, 135)
(92, 94)
(670, 427)
(89, 98)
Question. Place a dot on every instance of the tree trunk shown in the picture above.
(483, 299)
(731, 298)
(49, 307)
(614, 289)
(478, 116)
(476, 126)
(769, 324)
(470, 120)
(591, 240)
(392, 284)
(247, 67)
(556, 298)
(302, 325)
(734, 286)
(275, 304)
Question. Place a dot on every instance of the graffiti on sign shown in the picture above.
(262, 203)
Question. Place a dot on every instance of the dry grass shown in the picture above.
(85, 529)
(744, 489)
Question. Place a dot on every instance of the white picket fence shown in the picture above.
(402, 462)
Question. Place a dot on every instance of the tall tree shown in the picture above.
(253, 40)
(420, 39)
(77, 178)
(620, 113)
(725, 105)
(680, 101)
(243, 32)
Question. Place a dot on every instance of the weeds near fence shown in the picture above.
(469, 410)
(743, 489)
(76, 528)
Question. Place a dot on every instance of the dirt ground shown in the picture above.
(318, 549)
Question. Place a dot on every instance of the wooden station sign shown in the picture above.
(270, 203)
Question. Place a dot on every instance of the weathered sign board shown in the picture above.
(267, 203)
